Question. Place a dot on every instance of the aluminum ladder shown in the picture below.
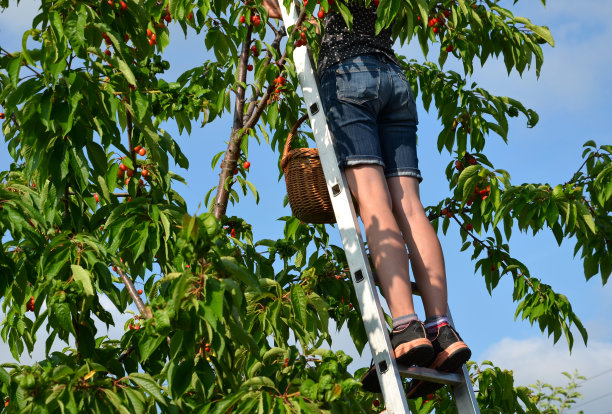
(389, 373)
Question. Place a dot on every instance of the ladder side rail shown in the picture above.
(465, 399)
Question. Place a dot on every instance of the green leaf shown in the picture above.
(298, 302)
(240, 272)
(259, 382)
(136, 399)
(179, 377)
(148, 344)
(543, 32)
(5, 377)
(224, 405)
(127, 72)
(61, 312)
(146, 382)
(84, 277)
(115, 401)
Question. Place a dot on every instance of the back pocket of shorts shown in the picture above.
(357, 85)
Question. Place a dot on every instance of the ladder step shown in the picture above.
(431, 375)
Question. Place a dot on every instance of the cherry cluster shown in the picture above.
(468, 158)
(30, 304)
(125, 170)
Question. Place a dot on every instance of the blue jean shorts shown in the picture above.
(372, 115)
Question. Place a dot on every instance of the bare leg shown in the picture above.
(426, 254)
(387, 247)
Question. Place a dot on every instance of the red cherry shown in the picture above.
(250, 68)
(321, 14)
(242, 19)
(493, 268)
(472, 161)
(449, 214)
(122, 167)
(126, 37)
(444, 211)
(110, 3)
(120, 173)
(458, 165)
(2, 115)
(447, 13)
(152, 42)
(376, 2)
(142, 152)
(140, 291)
(432, 22)
(153, 36)
(436, 30)
(107, 52)
(246, 165)
(469, 227)
(140, 182)
(303, 35)
(190, 17)
(449, 48)
(149, 32)
(168, 18)
(144, 173)
(96, 197)
(123, 6)
(130, 172)
(233, 233)
(376, 403)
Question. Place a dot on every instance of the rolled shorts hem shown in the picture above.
(352, 161)
(405, 173)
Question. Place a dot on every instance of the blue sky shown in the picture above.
(571, 98)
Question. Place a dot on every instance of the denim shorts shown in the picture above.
(371, 114)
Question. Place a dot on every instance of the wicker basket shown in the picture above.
(306, 187)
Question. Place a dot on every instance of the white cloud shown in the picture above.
(534, 359)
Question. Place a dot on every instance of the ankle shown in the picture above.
(433, 325)
(403, 321)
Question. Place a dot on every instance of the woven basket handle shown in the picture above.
(289, 139)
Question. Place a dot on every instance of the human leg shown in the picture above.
(387, 247)
(426, 255)
(390, 258)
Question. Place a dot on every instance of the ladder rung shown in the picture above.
(428, 374)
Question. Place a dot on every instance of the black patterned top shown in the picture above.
(340, 43)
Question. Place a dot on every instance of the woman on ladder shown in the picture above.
(372, 117)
